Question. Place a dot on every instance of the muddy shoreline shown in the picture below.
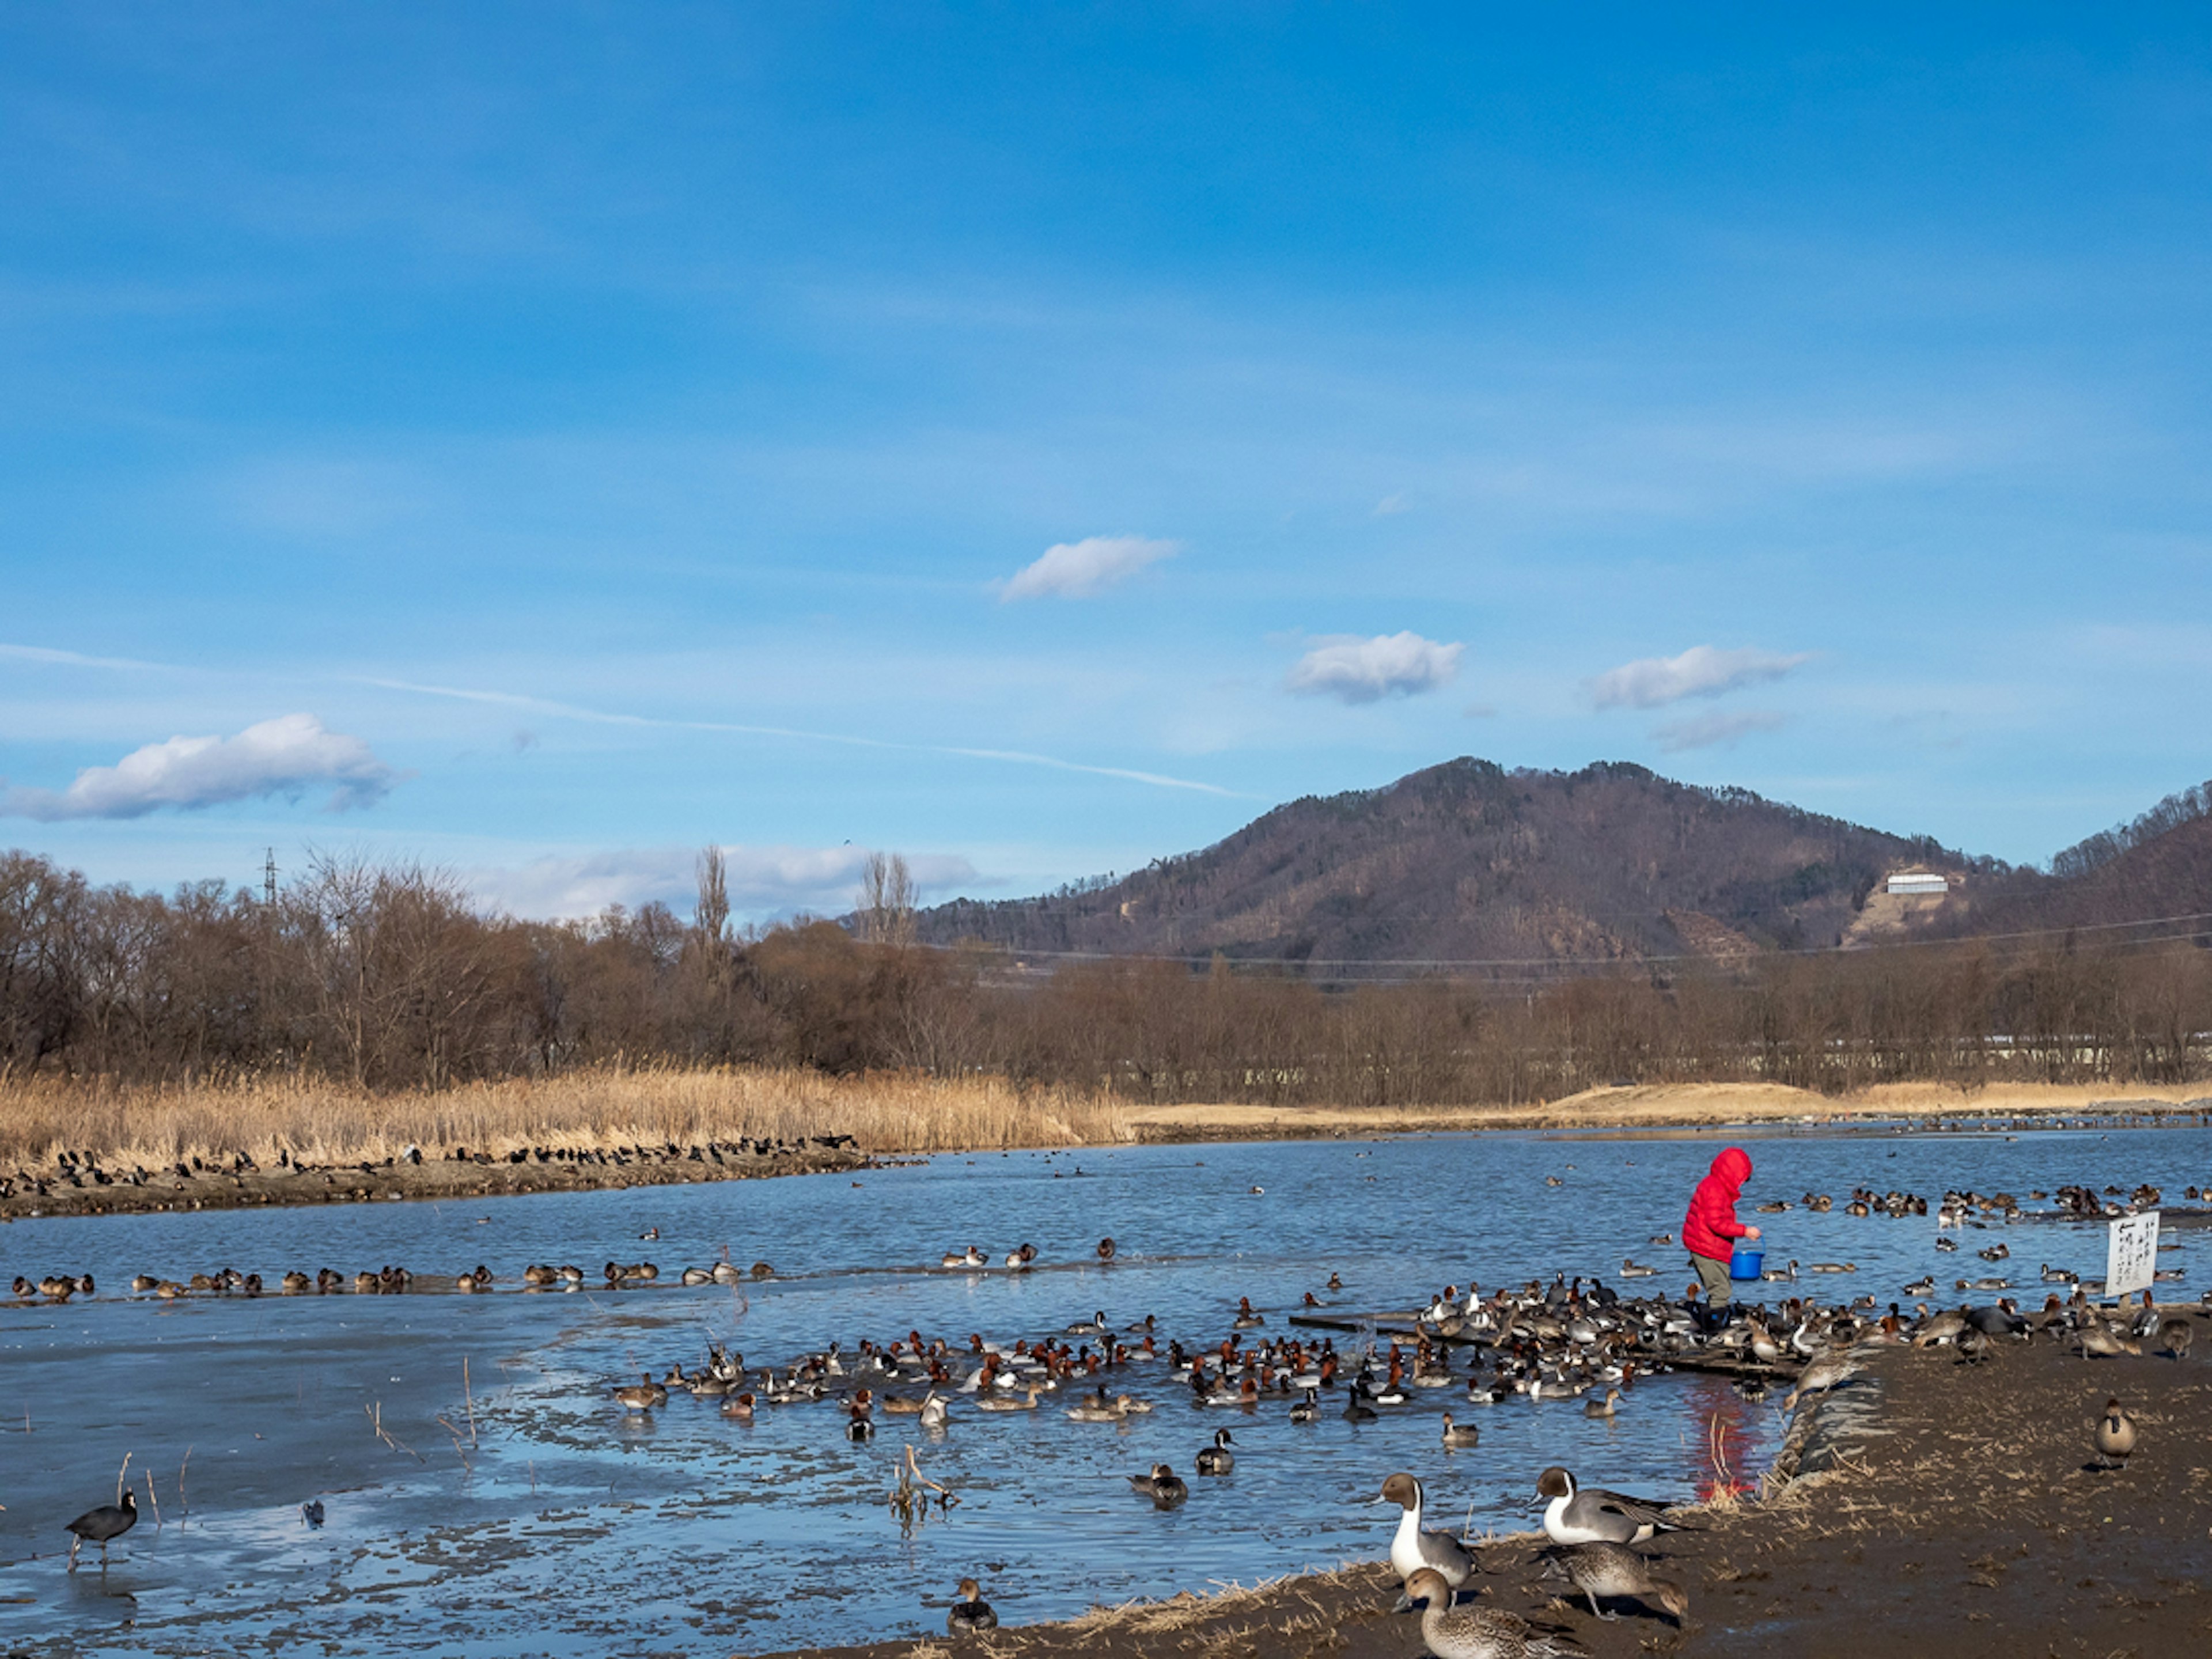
(104, 1186)
(1925, 1505)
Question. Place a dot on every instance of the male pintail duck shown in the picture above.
(935, 1412)
(1611, 1572)
(1474, 1632)
(1217, 1459)
(1094, 1326)
(1163, 1486)
(971, 1615)
(2116, 1436)
(1412, 1550)
(1595, 1516)
(1308, 1409)
(1460, 1434)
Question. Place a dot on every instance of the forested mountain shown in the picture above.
(1469, 862)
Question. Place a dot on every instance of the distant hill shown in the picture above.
(2159, 865)
(1469, 862)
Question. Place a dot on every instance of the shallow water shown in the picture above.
(553, 1523)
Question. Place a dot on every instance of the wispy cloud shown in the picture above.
(603, 717)
(762, 881)
(40, 654)
(286, 756)
(1390, 505)
(1700, 671)
(1715, 731)
(1077, 570)
(1365, 670)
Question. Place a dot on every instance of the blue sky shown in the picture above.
(543, 440)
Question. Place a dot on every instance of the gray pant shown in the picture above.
(1720, 1290)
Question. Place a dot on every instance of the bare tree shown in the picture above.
(887, 901)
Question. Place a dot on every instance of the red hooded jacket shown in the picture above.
(1711, 1225)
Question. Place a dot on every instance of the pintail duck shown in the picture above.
(1412, 1550)
(935, 1412)
(1831, 1267)
(1308, 1409)
(1163, 1486)
(1613, 1572)
(109, 1521)
(971, 1615)
(1474, 1632)
(2175, 1337)
(1459, 1434)
(2097, 1341)
(1217, 1459)
(643, 1397)
(1832, 1372)
(2116, 1436)
(1632, 1269)
(1094, 1326)
(1604, 1408)
(1000, 1402)
(1594, 1515)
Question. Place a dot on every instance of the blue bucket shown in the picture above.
(1746, 1264)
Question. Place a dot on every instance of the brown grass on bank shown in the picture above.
(325, 1123)
(322, 1122)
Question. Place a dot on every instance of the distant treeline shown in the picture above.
(390, 979)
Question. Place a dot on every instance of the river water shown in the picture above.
(539, 1518)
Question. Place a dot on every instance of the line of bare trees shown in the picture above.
(388, 977)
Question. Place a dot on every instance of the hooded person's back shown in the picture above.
(1710, 1227)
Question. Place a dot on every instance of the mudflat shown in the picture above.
(131, 1188)
(1926, 1506)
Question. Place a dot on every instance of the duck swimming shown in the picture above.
(1163, 1486)
(1217, 1459)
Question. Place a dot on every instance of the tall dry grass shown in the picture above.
(321, 1122)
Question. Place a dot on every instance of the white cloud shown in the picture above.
(762, 881)
(1076, 570)
(286, 756)
(1700, 671)
(1390, 506)
(1363, 671)
(1715, 731)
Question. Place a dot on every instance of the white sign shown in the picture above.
(2132, 1258)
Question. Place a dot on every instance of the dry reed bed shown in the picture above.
(328, 1123)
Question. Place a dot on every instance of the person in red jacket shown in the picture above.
(1709, 1230)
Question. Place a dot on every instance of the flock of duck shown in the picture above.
(1576, 1339)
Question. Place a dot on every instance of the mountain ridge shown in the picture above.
(1467, 863)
